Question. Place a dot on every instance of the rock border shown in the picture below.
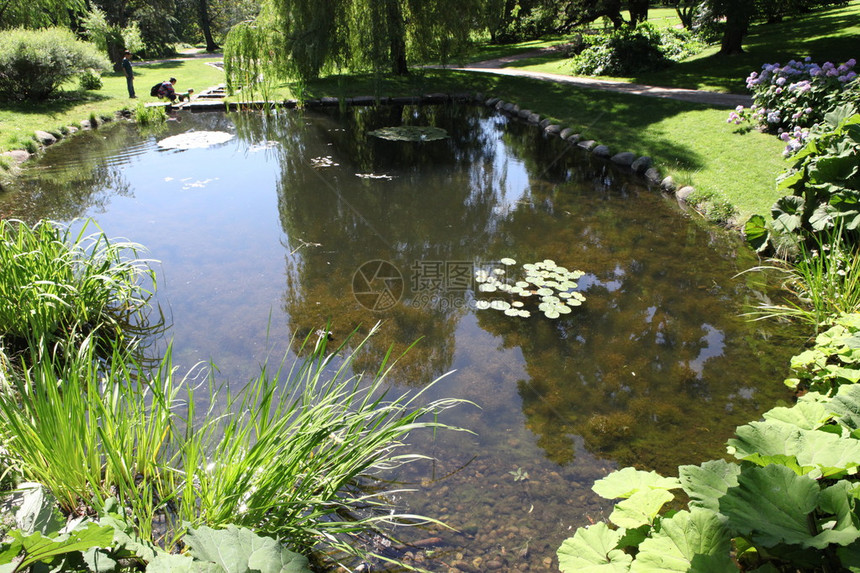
(212, 100)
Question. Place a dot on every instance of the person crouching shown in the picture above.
(167, 90)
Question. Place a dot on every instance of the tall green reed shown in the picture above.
(289, 454)
(821, 285)
(55, 284)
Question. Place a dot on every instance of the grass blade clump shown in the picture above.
(821, 285)
(56, 284)
(289, 455)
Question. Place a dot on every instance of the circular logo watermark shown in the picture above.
(377, 285)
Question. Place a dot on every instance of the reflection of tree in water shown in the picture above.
(336, 221)
(70, 180)
(656, 369)
(654, 358)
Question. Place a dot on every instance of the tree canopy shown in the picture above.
(301, 38)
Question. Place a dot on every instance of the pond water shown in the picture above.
(302, 218)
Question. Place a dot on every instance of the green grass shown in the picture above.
(19, 121)
(832, 34)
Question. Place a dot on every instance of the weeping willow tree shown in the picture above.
(300, 39)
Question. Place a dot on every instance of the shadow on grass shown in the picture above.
(61, 102)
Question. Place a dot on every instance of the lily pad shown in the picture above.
(508, 262)
(195, 140)
(410, 133)
(482, 304)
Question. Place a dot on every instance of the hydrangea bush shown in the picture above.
(789, 100)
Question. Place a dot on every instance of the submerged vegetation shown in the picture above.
(155, 459)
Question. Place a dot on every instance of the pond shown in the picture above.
(301, 219)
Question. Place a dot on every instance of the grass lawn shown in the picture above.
(832, 34)
(19, 121)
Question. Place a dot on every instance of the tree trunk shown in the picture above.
(206, 25)
(397, 38)
(733, 36)
(638, 11)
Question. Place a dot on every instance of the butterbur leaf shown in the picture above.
(41, 548)
(37, 511)
(640, 509)
(238, 549)
(756, 232)
(850, 557)
(771, 505)
(695, 540)
(593, 549)
(764, 442)
(805, 415)
(845, 406)
(707, 483)
(625, 482)
(838, 501)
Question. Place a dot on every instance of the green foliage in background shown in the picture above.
(35, 63)
(631, 50)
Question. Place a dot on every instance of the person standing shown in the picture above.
(129, 73)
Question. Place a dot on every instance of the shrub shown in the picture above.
(91, 80)
(35, 63)
(834, 360)
(789, 100)
(824, 185)
(630, 50)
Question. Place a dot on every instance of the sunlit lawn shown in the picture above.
(19, 121)
(832, 34)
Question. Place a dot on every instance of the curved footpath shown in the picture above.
(696, 96)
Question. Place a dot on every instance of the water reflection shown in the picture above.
(260, 240)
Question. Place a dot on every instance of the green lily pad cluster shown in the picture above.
(410, 133)
(544, 283)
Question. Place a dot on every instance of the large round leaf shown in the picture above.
(695, 540)
(771, 505)
(593, 550)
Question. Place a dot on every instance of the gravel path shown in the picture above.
(497, 66)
